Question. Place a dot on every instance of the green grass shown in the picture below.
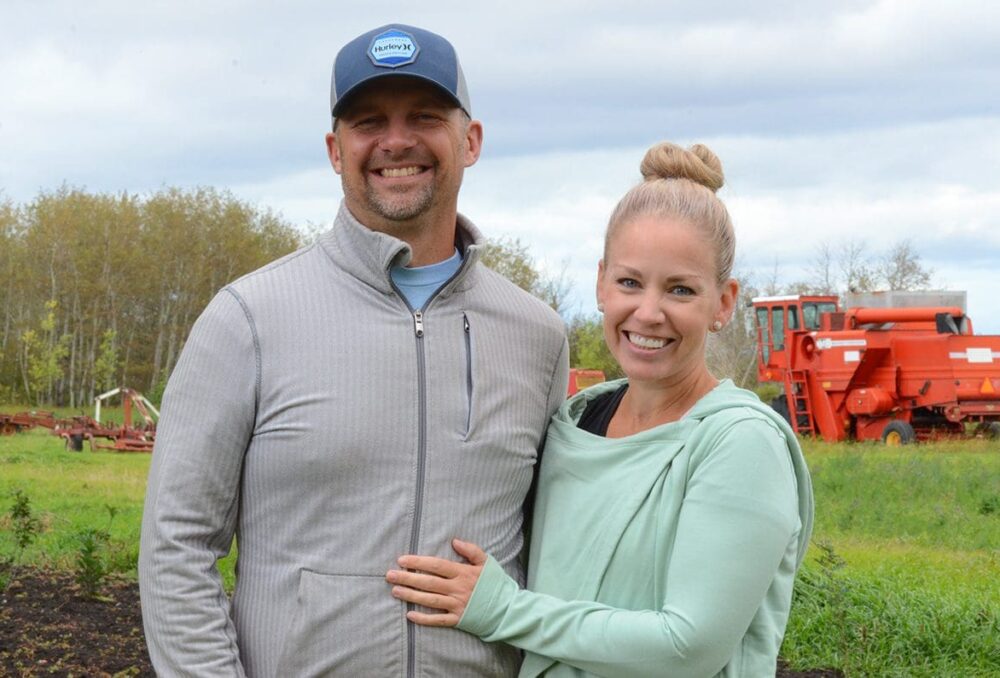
(71, 492)
(902, 578)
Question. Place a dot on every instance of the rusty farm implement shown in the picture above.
(136, 433)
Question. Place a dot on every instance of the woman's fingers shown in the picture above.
(438, 566)
(425, 619)
(431, 600)
(438, 584)
(469, 551)
(416, 580)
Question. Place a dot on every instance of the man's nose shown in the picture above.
(398, 136)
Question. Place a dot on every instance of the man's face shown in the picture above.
(400, 148)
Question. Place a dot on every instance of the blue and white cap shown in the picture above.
(397, 49)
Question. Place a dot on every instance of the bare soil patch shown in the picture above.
(49, 628)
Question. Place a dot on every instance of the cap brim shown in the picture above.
(344, 98)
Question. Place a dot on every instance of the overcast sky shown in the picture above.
(873, 121)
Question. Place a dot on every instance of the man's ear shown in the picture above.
(473, 142)
(333, 151)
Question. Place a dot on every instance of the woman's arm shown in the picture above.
(736, 524)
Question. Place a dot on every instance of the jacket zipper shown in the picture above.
(468, 373)
(418, 331)
(418, 502)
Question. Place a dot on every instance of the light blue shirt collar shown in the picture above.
(419, 283)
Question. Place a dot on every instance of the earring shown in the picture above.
(717, 325)
(600, 307)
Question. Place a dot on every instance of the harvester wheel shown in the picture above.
(75, 442)
(780, 405)
(898, 432)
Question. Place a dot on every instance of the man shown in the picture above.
(377, 393)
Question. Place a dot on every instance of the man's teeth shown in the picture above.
(646, 342)
(400, 171)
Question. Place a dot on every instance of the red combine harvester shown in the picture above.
(899, 374)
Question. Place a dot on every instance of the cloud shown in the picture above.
(866, 119)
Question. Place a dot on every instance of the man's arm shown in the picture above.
(557, 394)
(560, 379)
(192, 495)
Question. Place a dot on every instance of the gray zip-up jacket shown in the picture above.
(330, 428)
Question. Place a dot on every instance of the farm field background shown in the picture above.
(902, 578)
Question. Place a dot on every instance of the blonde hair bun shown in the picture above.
(697, 163)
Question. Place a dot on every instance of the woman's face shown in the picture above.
(660, 296)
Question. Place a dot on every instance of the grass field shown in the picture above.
(902, 579)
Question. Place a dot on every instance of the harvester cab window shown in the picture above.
(793, 318)
(810, 316)
(812, 312)
(778, 327)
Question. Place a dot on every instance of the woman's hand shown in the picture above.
(438, 583)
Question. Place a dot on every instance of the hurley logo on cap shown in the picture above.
(393, 48)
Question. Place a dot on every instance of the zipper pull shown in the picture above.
(465, 319)
(418, 323)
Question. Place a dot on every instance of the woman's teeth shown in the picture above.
(646, 342)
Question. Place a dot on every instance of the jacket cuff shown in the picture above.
(490, 597)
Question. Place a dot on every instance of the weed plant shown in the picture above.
(24, 526)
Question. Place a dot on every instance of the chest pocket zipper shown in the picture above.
(468, 373)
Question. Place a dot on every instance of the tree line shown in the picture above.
(101, 290)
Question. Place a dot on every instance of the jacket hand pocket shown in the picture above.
(344, 625)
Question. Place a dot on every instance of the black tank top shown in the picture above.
(597, 415)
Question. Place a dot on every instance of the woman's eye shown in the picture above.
(681, 290)
(628, 282)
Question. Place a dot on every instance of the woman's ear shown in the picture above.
(599, 290)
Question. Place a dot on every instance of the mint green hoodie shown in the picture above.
(671, 552)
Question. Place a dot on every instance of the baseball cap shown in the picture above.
(397, 49)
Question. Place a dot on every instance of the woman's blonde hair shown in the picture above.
(680, 183)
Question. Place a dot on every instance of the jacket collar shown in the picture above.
(368, 255)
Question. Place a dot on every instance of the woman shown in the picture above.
(673, 509)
